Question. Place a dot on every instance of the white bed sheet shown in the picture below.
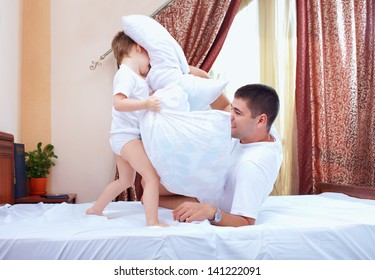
(308, 227)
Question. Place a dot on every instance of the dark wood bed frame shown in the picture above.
(135, 192)
(354, 191)
(6, 168)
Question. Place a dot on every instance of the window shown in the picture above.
(238, 61)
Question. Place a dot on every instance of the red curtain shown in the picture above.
(221, 35)
(335, 92)
(303, 101)
(200, 27)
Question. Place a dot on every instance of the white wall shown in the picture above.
(10, 67)
(81, 99)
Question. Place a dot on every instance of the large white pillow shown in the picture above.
(189, 150)
(162, 48)
(201, 91)
(168, 62)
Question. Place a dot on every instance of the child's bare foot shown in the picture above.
(91, 211)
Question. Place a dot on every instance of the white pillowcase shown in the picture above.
(162, 48)
(173, 98)
(168, 62)
(201, 91)
(189, 150)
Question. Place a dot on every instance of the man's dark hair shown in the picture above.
(260, 99)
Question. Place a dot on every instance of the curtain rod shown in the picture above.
(97, 63)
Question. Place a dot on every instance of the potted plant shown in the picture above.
(38, 162)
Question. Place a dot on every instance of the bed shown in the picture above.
(329, 225)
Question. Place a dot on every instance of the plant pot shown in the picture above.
(37, 186)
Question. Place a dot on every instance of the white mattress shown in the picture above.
(309, 227)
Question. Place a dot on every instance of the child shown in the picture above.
(131, 99)
(188, 144)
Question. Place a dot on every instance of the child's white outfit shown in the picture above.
(125, 125)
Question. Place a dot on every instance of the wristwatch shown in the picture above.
(217, 217)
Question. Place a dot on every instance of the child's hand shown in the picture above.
(153, 104)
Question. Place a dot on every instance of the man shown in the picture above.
(254, 164)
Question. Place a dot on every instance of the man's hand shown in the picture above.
(153, 104)
(193, 211)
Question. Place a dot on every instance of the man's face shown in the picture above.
(242, 124)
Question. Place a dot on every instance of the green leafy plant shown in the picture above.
(39, 161)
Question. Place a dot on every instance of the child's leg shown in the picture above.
(126, 179)
(135, 154)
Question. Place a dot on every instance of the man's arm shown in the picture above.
(173, 201)
(188, 209)
(195, 211)
(222, 102)
(234, 220)
(198, 72)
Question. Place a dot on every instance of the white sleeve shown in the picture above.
(123, 83)
(250, 191)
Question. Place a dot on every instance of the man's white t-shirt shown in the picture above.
(253, 170)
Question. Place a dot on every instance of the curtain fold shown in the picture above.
(303, 102)
(199, 26)
(221, 35)
(335, 92)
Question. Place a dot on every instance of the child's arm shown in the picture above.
(124, 104)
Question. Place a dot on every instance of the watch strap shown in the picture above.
(217, 216)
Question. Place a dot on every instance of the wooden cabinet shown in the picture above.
(36, 199)
(6, 168)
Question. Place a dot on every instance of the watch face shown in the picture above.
(217, 216)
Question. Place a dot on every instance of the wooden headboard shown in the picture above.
(354, 191)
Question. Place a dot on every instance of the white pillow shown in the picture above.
(162, 48)
(201, 91)
(189, 150)
(168, 62)
(173, 98)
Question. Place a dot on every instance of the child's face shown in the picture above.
(144, 62)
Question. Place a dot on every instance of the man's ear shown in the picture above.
(263, 119)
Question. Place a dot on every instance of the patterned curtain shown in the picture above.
(200, 27)
(335, 92)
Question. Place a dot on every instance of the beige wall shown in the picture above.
(46, 50)
(10, 41)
